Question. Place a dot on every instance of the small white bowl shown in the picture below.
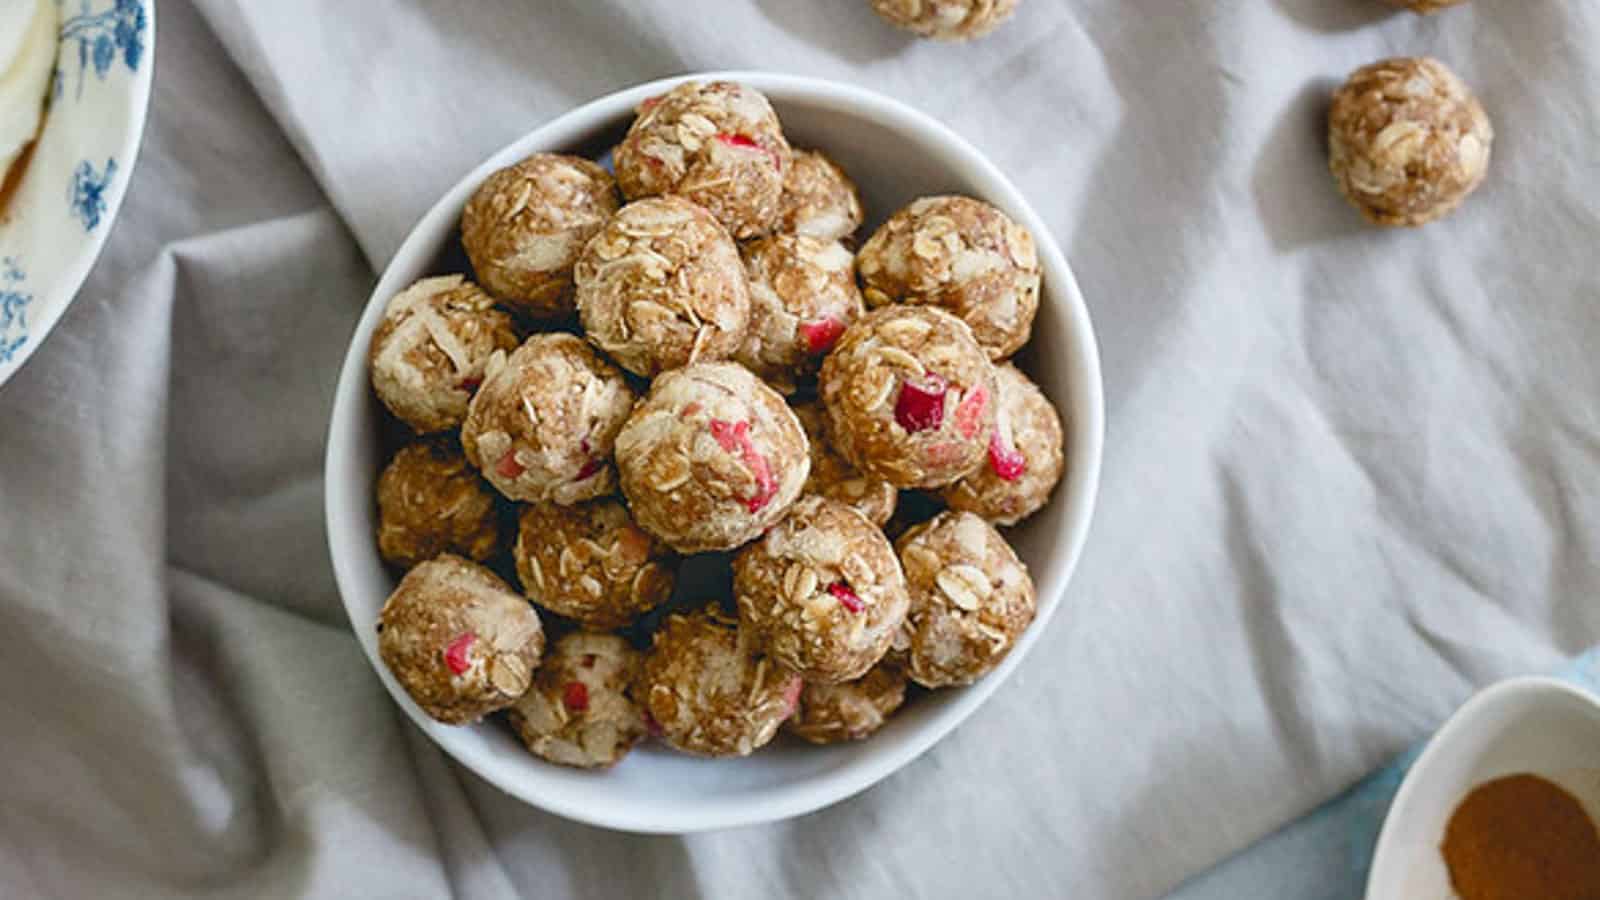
(1535, 725)
(896, 154)
(55, 225)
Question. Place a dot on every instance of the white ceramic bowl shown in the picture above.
(896, 154)
(1536, 725)
(52, 230)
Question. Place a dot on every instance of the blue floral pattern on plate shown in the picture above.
(13, 309)
(88, 192)
(104, 37)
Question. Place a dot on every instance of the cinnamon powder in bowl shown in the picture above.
(1521, 837)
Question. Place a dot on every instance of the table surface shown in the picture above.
(1350, 473)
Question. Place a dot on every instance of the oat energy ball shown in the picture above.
(910, 396)
(429, 353)
(1426, 6)
(662, 286)
(818, 199)
(1407, 141)
(962, 255)
(822, 591)
(706, 689)
(542, 425)
(526, 224)
(1025, 455)
(717, 144)
(579, 712)
(430, 501)
(833, 477)
(459, 641)
(802, 295)
(971, 598)
(711, 458)
(946, 20)
(590, 563)
(832, 713)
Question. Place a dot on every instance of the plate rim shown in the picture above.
(54, 299)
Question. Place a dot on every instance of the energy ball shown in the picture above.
(431, 501)
(459, 641)
(578, 712)
(711, 458)
(971, 598)
(1025, 455)
(1426, 6)
(590, 563)
(910, 396)
(429, 353)
(707, 690)
(946, 20)
(543, 424)
(1407, 141)
(662, 286)
(964, 256)
(818, 200)
(833, 477)
(802, 295)
(526, 224)
(717, 144)
(822, 591)
(833, 713)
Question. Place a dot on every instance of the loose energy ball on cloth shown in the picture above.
(833, 477)
(526, 224)
(429, 353)
(662, 286)
(707, 690)
(832, 713)
(431, 501)
(460, 641)
(818, 199)
(542, 425)
(579, 712)
(1025, 455)
(964, 256)
(590, 563)
(1407, 141)
(971, 598)
(910, 396)
(1426, 6)
(711, 458)
(717, 144)
(946, 20)
(802, 295)
(822, 591)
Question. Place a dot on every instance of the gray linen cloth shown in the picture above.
(1350, 474)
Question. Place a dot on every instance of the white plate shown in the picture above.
(53, 228)
(896, 154)
(1526, 725)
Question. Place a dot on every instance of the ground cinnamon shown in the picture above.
(1522, 838)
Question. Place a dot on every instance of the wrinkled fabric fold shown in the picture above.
(1349, 474)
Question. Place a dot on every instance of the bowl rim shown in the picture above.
(1519, 693)
(1079, 488)
(57, 296)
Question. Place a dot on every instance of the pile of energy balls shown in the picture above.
(684, 363)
